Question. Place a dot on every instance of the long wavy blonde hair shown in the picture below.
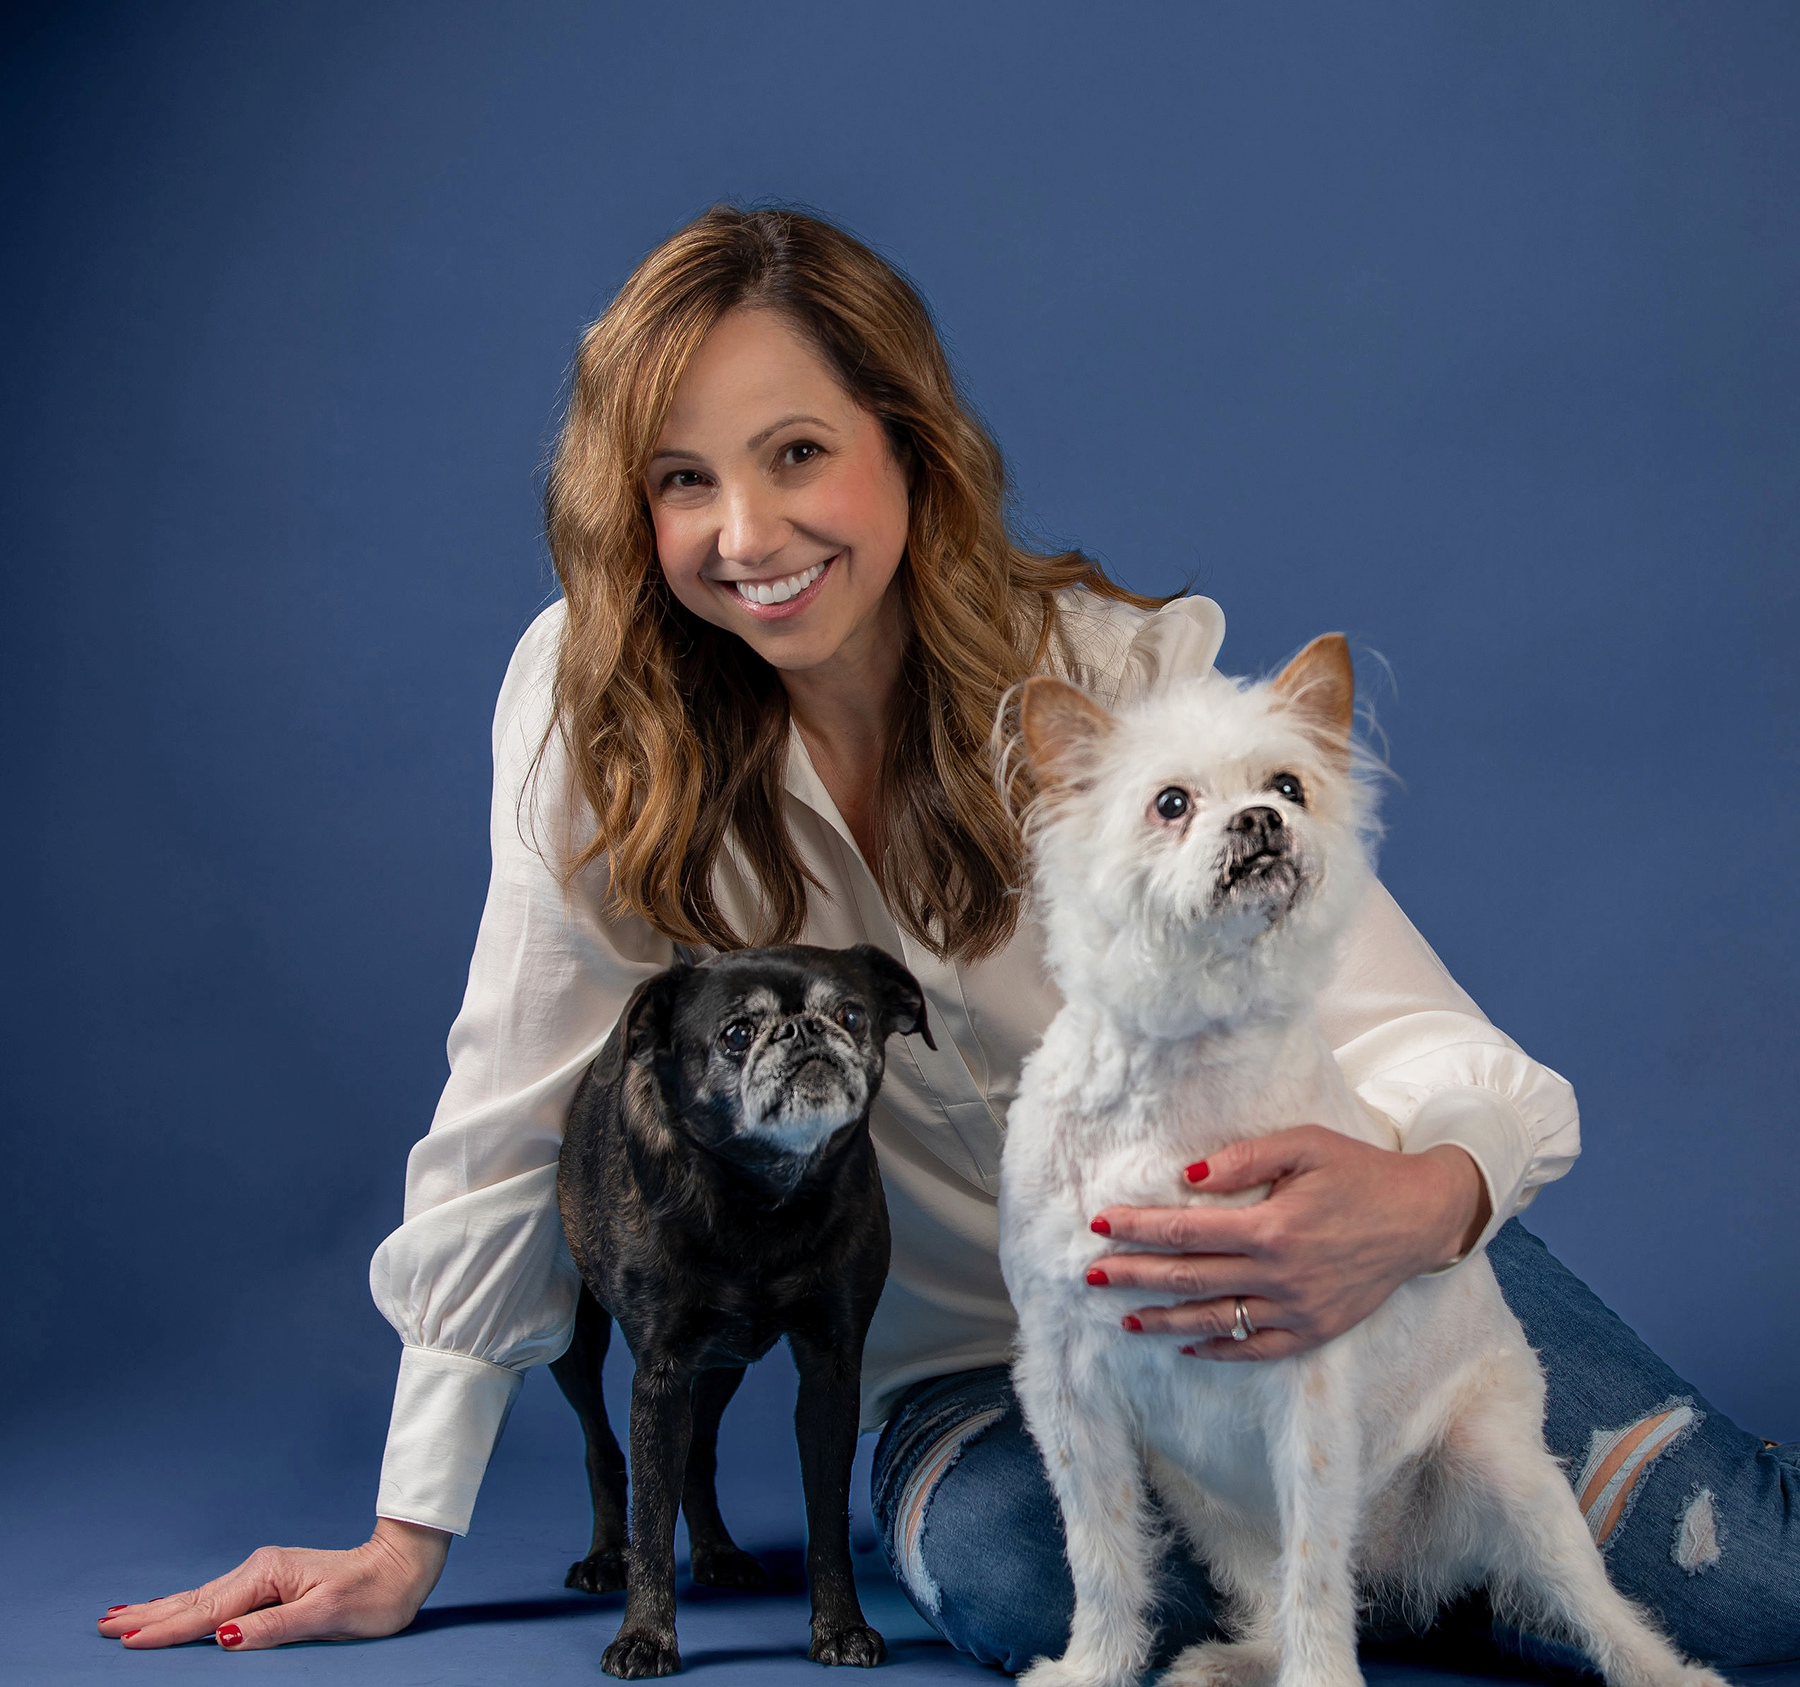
(677, 731)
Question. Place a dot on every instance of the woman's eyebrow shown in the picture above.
(787, 422)
(767, 433)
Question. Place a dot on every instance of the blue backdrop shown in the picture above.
(1470, 329)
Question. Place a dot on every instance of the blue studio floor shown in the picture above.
(118, 1507)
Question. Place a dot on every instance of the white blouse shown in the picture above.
(478, 1280)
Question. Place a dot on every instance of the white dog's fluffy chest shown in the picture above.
(1099, 1124)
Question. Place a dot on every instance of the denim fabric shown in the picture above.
(1743, 1609)
(986, 1563)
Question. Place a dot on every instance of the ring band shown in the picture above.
(1241, 1327)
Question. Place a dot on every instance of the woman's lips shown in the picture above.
(790, 606)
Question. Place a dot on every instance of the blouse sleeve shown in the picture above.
(478, 1280)
(1417, 1050)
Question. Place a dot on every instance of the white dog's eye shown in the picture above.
(852, 1017)
(738, 1035)
(1288, 785)
(1172, 802)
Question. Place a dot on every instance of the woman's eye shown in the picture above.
(852, 1017)
(682, 480)
(801, 451)
(1287, 785)
(1172, 802)
(738, 1035)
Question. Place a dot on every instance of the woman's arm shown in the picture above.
(1482, 1128)
(477, 1280)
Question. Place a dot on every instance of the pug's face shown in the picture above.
(766, 1055)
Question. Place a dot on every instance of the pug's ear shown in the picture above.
(646, 1022)
(902, 1001)
(1059, 723)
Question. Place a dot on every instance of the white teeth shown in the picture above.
(779, 591)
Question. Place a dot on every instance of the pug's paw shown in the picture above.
(856, 1643)
(601, 1572)
(633, 1657)
(727, 1566)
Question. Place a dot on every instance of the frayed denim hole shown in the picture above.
(1699, 1541)
(1603, 1441)
(912, 1507)
(916, 1422)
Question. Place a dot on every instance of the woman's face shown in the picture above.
(779, 509)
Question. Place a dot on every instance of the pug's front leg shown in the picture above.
(661, 1425)
(1084, 1431)
(825, 1423)
(718, 1561)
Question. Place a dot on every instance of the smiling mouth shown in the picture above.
(770, 594)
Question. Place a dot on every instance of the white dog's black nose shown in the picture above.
(1255, 825)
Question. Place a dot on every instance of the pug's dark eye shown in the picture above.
(852, 1017)
(1287, 785)
(738, 1035)
(1172, 802)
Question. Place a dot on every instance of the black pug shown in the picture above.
(719, 1190)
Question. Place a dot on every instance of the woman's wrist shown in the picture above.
(418, 1553)
(1465, 1207)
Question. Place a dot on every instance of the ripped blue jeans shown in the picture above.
(1699, 1521)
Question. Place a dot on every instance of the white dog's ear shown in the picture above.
(1319, 685)
(1058, 721)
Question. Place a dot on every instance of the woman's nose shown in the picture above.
(752, 527)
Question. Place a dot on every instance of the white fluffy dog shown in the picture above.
(1196, 860)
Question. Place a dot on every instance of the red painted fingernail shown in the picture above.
(231, 1635)
(130, 1632)
(1191, 1351)
(1097, 1277)
(1130, 1322)
(1100, 1227)
(1196, 1173)
(113, 1610)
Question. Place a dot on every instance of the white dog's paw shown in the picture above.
(1345, 1674)
(1221, 1663)
(1669, 1672)
(1074, 1672)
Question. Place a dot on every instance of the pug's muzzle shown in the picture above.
(803, 1082)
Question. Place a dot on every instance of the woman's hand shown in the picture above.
(284, 1593)
(1345, 1224)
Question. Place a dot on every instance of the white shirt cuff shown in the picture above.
(449, 1410)
(1488, 1128)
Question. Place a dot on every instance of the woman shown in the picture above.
(791, 608)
